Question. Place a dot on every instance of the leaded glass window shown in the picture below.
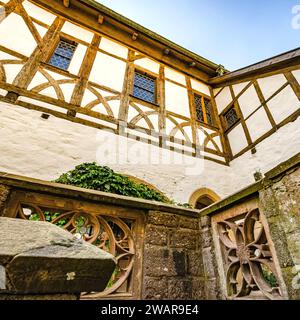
(208, 110)
(231, 117)
(199, 110)
(63, 54)
(144, 87)
(203, 109)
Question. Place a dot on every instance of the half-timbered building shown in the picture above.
(78, 82)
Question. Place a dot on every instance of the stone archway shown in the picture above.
(203, 198)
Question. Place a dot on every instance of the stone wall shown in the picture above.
(173, 266)
(277, 199)
(280, 202)
(168, 258)
(179, 252)
(210, 270)
(4, 193)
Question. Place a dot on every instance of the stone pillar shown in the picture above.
(39, 260)
(210, 267)
(4, 193)
(172, 258)
(280, 203)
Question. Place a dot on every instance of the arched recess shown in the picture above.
(202, 198)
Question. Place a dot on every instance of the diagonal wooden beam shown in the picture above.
(20, 9)
(241, 116)
(293, 83)
(263, 102)
(224, 140)
(8, 8)
(85, 70)
(40, 54)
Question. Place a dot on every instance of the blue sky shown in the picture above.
(234, 33)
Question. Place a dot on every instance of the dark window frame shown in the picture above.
(229, 126)
(65, 57)
(134, 85)
(204, 109)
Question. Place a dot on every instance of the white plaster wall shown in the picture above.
(270, 85)
(283, 104)
(44, 149)
(148, 64)
(279, 147)
(296, 74)
(77, 59)
(237, 88)
(20, 38)
(175, 76)
(249, 101)
(199, 86)
(113, 47)
(223, 99)
(11, 71)
(177, 99)
(258, 124)
(237, 139)
(78, 32)
(38, 13)
(108, 71)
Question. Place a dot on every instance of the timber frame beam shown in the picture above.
(283, 62)
(121, 29)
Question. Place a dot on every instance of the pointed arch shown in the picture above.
(203, 197)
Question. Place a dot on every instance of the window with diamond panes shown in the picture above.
(144, 87)
(231, 117)
(203, 109)
(208, 110)
(63, 54)
(199, 110)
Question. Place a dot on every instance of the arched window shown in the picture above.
(203, 198)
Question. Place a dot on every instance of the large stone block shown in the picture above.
(156, 262)
(180, 289)
(189, 223)
(198, 292)
(162, 219)
(156, 235)
(159, 262)
(155, 288)
(41, 258)
(195, 263)
(185, 239)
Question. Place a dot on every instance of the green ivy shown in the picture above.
(93, 176)
(270, 278)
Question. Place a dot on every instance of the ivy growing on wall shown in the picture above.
(93, 176)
